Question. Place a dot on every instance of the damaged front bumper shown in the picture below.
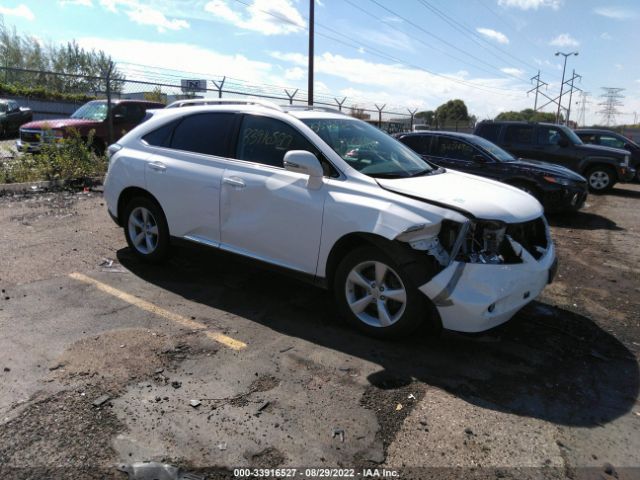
(473, 297)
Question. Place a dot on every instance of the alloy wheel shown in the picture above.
(375, 294)
(143, 230)
(599, 180)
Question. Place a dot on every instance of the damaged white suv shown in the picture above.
(400, 242)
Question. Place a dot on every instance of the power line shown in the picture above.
(384, 55)
(433, 47)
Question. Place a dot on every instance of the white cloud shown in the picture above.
(20, 11)
(76, 3)
(606, 36)
(493, 35)
(531, 4)
(295, 73)
(270, 17)
(617, 13)
(144, 14)
(618, 66)
(179, 56)
(516, 72)
(564, 40)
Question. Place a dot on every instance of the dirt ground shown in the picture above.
(211, 363)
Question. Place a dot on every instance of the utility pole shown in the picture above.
(107, 74)
(565, 55)
(413, 114)
(539, 83)
(311, 34)
(340, 103)
(612, 100)
(219, 86)
(290, 95)
(573, 77)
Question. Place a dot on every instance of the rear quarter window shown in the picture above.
(522, 134)
(490, 131)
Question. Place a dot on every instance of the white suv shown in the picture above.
(399, 241)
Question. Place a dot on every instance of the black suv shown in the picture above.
(607, 138)
(547, 142)
(556, 187)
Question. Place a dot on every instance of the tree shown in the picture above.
(428, 116)
(80, 71)
(452, 111)
(156, 95)
(528, 115)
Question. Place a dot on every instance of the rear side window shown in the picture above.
(490, 131)
(519, 134)
(418, 143)
(266, 140)
(207, 133)
(587, 137)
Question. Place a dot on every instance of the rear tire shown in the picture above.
(146, 230)
(377, 296)
(600, 178)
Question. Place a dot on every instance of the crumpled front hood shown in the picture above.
(481, 197)
(60, 123)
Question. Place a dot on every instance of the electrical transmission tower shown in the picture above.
(539, 83)
(612, 100)
(582, 109)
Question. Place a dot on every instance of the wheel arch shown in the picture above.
(127, 195)
(419, 264)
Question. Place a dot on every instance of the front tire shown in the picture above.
(377, 296)
(601, 178)
(146, 230)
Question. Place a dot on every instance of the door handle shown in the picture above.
(234, 182)
(157, 166)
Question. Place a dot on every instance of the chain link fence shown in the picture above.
(55, 94)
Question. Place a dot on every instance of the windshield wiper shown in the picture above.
(427, 172)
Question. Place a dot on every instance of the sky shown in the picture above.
(407, 54)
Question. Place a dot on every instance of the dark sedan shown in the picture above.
(556, 187)
(607, 138)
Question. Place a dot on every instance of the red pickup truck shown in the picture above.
(126, 114)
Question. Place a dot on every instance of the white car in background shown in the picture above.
(400, 242)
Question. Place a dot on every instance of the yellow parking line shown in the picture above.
(151, 308)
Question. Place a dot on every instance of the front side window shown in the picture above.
(549, 136)
(609, 141)
(522, 134)
(454, 149)
(367, 149)
(208, 133)
(4, 107)
(266, 140)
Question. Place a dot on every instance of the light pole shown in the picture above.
(562, 84)
(311, 35)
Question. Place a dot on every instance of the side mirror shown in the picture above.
(563, 142)
(306, 163)
(480, 158)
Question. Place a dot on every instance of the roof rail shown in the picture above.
(310, 108)
(225, 101)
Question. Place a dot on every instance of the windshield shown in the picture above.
(575, 139)
(92, 111)
(494, 150)
(367, 149)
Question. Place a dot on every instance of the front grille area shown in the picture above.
(30, 136)
(531, 235)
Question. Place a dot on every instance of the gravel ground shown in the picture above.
(551, 394)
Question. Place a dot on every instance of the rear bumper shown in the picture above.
(473, 297)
